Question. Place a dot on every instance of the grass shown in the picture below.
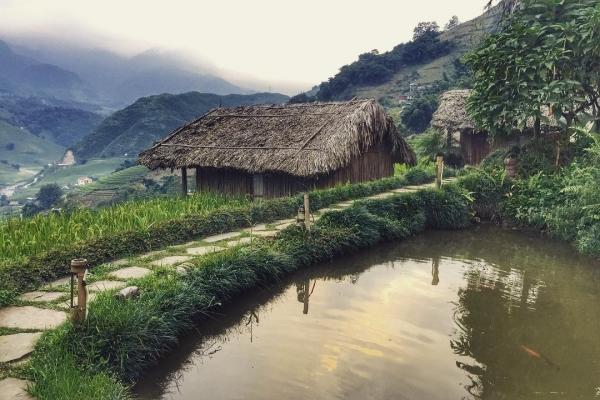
(67, 175)
(122, 338)
(22, 237)
(116, 180)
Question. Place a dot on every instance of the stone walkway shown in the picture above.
(47, 307)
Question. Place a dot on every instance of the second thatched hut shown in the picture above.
(279, 150)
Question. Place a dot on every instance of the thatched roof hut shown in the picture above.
(452, 114)
(318, 144)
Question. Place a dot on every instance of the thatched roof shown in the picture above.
(298, 139)
(452, 114)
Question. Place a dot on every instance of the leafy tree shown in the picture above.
(426, 29)
(49, 195)
(10, 146)
(417, 115)
(454, 22)
(546, 57)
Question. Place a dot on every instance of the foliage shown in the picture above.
(122, 338)
(452, 23)
(374, 68)
(547, 55)
(49, 195)
(38, 249)
(417, 114)
(563, 202)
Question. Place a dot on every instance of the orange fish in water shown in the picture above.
(534, 354)
(530, 352)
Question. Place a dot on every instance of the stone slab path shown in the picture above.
(14, 389)
(30, 318)
(16, 346)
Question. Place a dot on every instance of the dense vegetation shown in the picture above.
(374, 68)
(148, 327)
(34, 250)
(541, 70)
(136, 127)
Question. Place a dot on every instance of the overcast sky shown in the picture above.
(285, 45)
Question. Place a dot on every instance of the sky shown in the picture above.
(276, 44)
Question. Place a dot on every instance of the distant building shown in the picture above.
(84, 180)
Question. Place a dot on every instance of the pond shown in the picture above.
(484, 313)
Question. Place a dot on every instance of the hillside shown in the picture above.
(23, 154)
(25, 76)
(55, 121)
(136, 127)
(420, 64)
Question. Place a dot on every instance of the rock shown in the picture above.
(223, 236)
(41, 297)
(181, 271)
(29, 317)
(130, 273)
(171, 260)
(284, 225)
(122, 261)
(17, 346)
(234, 243)
(261, 227)
(151, 254)
(200, 251)
(129, 292)
(265, 233)
(60, 282)
(102, 286)
(14, 389)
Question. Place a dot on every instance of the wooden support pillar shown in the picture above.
(184, 185)
(198, 180)
(306, 212)
(78, 270)
(439, 171)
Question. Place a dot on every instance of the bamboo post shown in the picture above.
(78, 269)
(306, 212)
(184, 186)
(439, 171)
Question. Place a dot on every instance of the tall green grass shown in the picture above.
(20, 238)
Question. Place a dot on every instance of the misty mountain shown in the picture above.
(134, 128)
(25, 76)
(120, 80)
(56, 121)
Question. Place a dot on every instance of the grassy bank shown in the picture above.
(561, 201)
(121, 338)
(38, 249)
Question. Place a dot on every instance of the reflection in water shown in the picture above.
(435, 270)
(516, 317)
(304, 292)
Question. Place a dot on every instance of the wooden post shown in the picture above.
(79, 268)
(198, 180)
(184, 187)
(439, 171)
(306, 212)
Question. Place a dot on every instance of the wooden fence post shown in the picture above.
(78, 269)
(306, 212)
(439, 171)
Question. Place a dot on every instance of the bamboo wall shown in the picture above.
(374, 164)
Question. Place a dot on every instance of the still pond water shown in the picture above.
(486, 313)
